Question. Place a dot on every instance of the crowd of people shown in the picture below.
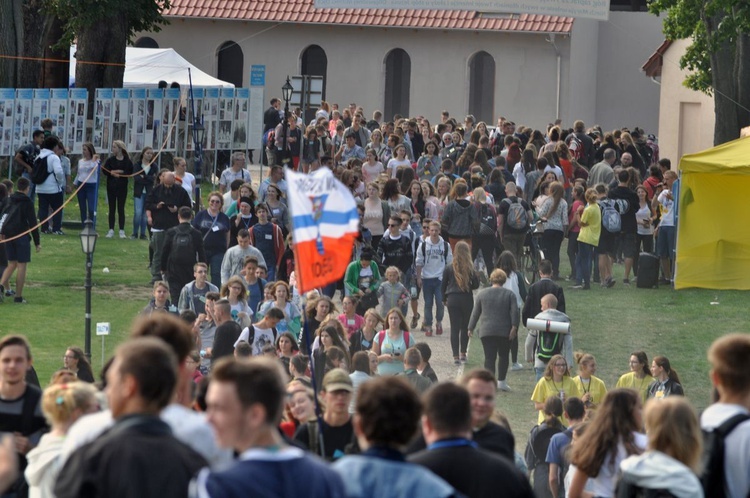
(444, 210)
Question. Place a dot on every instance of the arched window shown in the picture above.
(482, 86)
(397, 83)
(230, 64)
(146, 42)
(314, 62)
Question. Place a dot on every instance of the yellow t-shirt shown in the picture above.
(628, 380)
(595, 386)
(547, 387)
(589, 234)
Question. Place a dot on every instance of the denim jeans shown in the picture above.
(432, 290)
(87, 201)
(214, 264)
(140, 224)
(539, 372)
(583, 263)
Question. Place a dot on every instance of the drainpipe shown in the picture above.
(551, 39)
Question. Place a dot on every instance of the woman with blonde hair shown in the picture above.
(674, 450)
(459, 282)
(62, 405)
(592, 387)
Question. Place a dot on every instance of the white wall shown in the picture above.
(687, 118)
(525, 63)
(624, 95)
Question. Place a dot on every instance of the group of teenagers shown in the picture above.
(250, 427)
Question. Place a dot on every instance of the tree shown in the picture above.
(102, 29)
(718, 58)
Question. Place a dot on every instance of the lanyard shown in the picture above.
(453, 443)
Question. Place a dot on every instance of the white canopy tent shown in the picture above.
(145, 67)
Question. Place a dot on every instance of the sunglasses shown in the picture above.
(393, 225)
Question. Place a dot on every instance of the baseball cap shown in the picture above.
(337, 380)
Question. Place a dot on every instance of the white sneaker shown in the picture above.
(503, 386)
(122, 234)
(110, 234)
(516, 367)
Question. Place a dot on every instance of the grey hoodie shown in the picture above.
(656, 470)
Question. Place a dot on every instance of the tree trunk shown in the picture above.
(743, 80)
(725, 87)
(22, 25)
(103, 42)
(30, 70)
(56, 74)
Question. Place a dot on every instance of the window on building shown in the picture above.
(146, 42)
(230, 63)
(397, 83)
(482, 86)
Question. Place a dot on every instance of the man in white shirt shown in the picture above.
(234, 258)
(730, 377)
(433, 254)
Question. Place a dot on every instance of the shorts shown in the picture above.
(628, 245)
(19, 250)
(409, 279)
(607, 242)
(665, 242)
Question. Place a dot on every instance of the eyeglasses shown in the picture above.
(560, 365)
(236, 288)
(66, 357)
(214, 201)
(425, 227)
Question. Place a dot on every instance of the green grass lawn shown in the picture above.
(609, 323)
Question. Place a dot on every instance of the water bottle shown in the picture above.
(413, 291)
(562, 395)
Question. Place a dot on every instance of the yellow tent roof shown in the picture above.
(729, 158)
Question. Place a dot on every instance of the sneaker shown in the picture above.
(577, 286)
(503, 386)
(415, 321)
(610, 283)
(625, 281)
(46, 231)
(463, 358)
(10, 292)
(516, 367)
(58, 232)
(439, 328)
(122, 234)
(456, 361)
(110, 234)
(144, 237)
(428, 332)
(19, 300)
(665, 281)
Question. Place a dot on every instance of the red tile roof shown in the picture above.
(652, 67)
(303, 12)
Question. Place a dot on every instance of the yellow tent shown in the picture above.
(713, 227)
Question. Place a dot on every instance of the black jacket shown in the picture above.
(396, 253)
(144, 182)
(271, 119)
(671, 388)
(162, 217)
(26, 212)
(186, 262)
(533, 304)
(112, 164)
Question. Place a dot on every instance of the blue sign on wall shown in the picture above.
(258, 75)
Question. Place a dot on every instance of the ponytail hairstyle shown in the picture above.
(663, 362)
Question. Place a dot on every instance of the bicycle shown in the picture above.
(532, 253)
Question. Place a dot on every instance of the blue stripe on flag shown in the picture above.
(328, 217)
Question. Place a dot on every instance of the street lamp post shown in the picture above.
(88, 244)
(286, 92)
(199, 132)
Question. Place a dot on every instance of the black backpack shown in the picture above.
(537, 445)
(40, 171)
(548, 344)
(11, 223)
(182, 248)
(488, 221)
(712, 478)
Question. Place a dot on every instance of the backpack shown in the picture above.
(40, 171)
(548, 344)
(11, 223)
(488, 221)
(712, 478)
(536, 447)
(182, 248)
(516, 217)
(575, 145)
(647, 154)
(611, 211)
